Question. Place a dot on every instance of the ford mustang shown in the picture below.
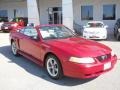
(62, 52)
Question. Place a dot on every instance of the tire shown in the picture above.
(4, 31)
(118, 37)
(53, 67)
(114, 33)
(14, 48)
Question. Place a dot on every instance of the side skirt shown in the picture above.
(33, 59)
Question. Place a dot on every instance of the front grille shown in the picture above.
(104, 57)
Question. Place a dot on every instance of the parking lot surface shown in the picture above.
(19, 73)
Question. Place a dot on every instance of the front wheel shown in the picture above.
(53, 67)
(118, 37)
(114, 32)
(14, 48)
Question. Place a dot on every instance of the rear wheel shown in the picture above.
(118, 37)
(14, 48)
(53, 67)
(114, 33)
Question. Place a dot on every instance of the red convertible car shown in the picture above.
(61, 52)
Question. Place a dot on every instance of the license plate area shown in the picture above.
(6, 27)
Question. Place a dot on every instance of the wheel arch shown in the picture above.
(50, 53)
(61, 67)
(12, 40)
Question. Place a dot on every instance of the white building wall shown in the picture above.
(33, 12)
(97, 10)
(21, 8)
(43, 7)
(45, 4)
(67, 11)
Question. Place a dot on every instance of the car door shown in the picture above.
(29, 43)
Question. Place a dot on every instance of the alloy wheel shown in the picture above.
(53, 67)
(14, 48)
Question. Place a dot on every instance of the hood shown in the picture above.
(79, 47)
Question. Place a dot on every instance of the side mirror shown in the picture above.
(31, 24)
(84, 26)
(106, 26)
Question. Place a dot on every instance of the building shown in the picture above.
(67, 12)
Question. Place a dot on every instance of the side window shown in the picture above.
(119, 22)
(27, 32)
(31, 32)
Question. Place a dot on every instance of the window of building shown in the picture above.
(109, 12)
(15, 12)
(3, 16)
(55, 15)
(87, 12)
(3, 13)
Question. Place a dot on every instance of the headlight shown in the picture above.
(82, 60)
(15, 25)
(112, 53)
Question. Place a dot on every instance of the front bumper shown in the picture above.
(6, 28)
(94, 36)
(88, 70)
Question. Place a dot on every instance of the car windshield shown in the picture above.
(96, 25)
(55, 32)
